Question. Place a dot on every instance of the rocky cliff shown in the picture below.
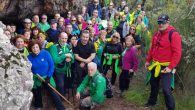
(15, 77)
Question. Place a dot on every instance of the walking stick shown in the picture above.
(55, 90)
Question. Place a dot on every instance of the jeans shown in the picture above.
(55, 97)
(165, 79)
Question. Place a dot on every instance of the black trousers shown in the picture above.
(105, 70)
(80, 73)
(38, 97)
(165, 79)
(124, 79)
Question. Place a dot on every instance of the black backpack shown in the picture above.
(170, 34)
(108, 93)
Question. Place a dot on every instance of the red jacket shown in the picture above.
(164, 50)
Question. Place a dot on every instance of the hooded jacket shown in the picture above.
(164, 50)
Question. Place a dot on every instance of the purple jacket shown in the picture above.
(129, 60)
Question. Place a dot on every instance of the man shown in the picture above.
(97, 86)
(84, 53)
(69, 31)
(63, 57)
(110, 11)
(75, 28)
(122, 6)
(53, 32)
(26, 26)
(110, 30)
(35, 21)
(44, 25)
(93, 6)
(165, 54)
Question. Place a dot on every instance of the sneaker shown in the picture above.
(148, 105)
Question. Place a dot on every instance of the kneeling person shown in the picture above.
(91, 90)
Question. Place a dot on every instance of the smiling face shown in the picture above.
(19, 43)
(63, 38)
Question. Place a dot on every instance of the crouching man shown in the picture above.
(91, 91)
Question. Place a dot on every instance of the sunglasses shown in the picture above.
(89, 24)
(161, 22)
(44, 18)
(73, 20)
(133, 29)
(116, 37)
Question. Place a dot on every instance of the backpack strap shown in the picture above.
(170, 34)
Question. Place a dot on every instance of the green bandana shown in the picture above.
(109, 62)
(38, 82)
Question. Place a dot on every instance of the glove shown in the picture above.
(47, 80)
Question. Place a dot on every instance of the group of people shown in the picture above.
(80, 49)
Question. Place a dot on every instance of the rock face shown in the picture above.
(16, 79)
(13, 10)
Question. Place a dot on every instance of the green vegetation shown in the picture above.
(182, 15)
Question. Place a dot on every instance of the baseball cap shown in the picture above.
(163, 18)
(27, 20)
(52, 21)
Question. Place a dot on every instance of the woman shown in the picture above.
(116, 20)
(132, 32)
(19, 44)
(61, 26)
(123, 28)
(43, 65)
(95, 25)
(112, 53)
(35, 32)
(81, 23)
(129, 64)
(99, 47)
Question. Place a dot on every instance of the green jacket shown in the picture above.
(97, 87)
(58, 55)
(44, 27)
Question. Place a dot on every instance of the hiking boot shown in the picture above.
(148, 105)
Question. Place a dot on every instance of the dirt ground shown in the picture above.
(115, 103)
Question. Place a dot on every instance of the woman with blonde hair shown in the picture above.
(111, 56)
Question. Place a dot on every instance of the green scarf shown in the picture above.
(109, 62)
(38, 82)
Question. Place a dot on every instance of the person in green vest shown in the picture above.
(63, 57)
(20, 45)
(91, 91)
(44, 25)
(116, 20)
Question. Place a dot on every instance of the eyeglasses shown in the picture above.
(161, 22)
(95, 12)
(116, 37)
(44, 18)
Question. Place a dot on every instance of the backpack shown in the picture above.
(108, 93)
(170, 34)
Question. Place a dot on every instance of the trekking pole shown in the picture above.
(55, 90)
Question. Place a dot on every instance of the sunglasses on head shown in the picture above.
(161, 22)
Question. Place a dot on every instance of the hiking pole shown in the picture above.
(55, 90)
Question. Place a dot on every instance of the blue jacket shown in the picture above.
(42, 63)
(91, 7)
